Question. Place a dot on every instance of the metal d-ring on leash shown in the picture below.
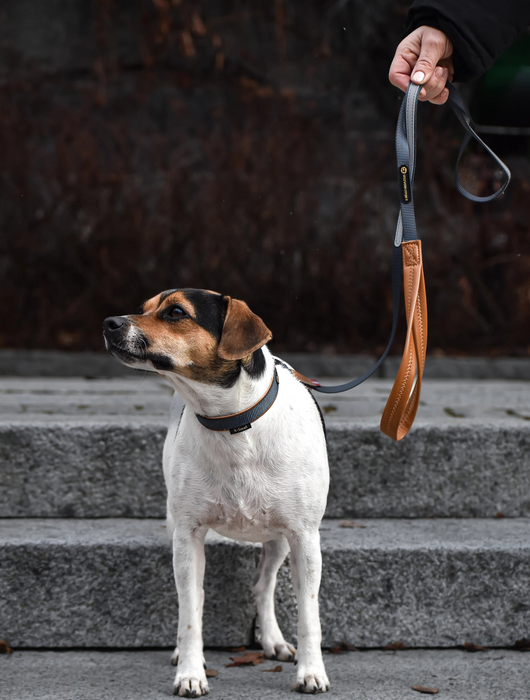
(407, 261)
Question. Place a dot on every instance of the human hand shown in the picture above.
(424, 57)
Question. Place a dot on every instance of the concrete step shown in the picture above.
(92, 448)
(367, 675)
(426, 583)
(57, 363)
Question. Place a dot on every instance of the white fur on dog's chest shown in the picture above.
(255, 485)
(245, 514)
(233, 491)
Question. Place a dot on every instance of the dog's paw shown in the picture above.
(283, 651)
(188, 687)
(175, 658)
(316, 682)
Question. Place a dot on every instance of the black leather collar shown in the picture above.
(239, 422)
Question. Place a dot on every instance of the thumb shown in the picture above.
(432, 50)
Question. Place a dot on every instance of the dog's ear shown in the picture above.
(243, 332)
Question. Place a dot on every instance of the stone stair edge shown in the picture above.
(68, 470)
(426, 583)
(56, 363)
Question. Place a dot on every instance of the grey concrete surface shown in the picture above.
(92, 448)
(57, 363)
(425, 583)
(369, 675)
(467, 367)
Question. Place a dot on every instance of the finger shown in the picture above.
(433, 88)
(441, 99)
(400, 68)
(405, 58)
(433, 49)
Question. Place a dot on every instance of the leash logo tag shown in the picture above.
(240, 429)
(404, 184)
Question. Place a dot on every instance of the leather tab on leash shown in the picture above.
(407, 269)
(402, 404)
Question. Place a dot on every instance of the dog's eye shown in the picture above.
(175, 312)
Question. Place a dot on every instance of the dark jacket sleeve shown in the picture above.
(480, 30)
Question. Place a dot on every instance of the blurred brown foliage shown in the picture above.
(247, 148)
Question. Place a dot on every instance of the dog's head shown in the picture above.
(198, 334)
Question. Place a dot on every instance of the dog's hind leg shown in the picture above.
(272, 556)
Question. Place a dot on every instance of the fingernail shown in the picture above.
(418, 77)
(439, 72)
(446, 73)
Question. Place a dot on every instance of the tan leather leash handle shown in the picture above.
(400, 410)
(407, 266)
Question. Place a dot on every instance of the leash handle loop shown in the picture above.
(462, 112)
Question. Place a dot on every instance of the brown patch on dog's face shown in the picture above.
(195, 333)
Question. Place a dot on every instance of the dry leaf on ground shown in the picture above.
(350, 523)
(250, 658)
(343, 646)
(469, 646)
(425, 689)
(211, 673)
(237, 650)
(396, 646)
(6, 649)
(522, 644)
(276, 669)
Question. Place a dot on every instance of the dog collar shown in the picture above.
(239, 422)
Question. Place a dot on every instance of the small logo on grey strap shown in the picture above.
(404, 184)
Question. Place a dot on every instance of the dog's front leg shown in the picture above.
(306, 568)
(188, 564)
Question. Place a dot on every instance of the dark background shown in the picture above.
(245, 147)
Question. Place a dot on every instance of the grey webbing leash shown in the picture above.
(406, 224)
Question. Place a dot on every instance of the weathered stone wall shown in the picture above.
(239, 146)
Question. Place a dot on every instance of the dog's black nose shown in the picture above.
(114, 323)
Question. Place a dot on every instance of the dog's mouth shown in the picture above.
(124, 354)
(129, 345)
(125, 341)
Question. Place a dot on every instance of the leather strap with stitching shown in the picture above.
(402, 404)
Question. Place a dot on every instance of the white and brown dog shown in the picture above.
(265, 484)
